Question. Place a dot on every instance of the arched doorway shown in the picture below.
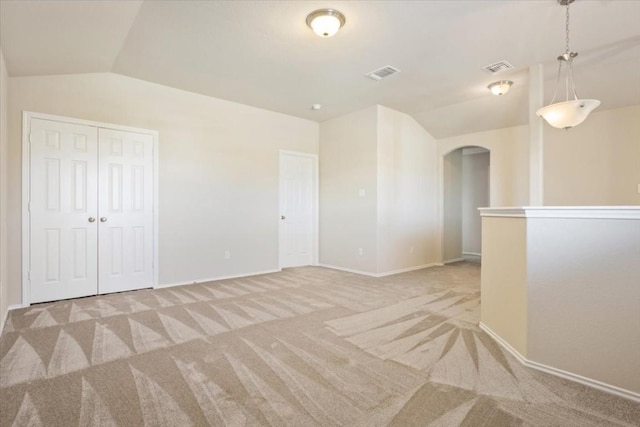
(465, 188)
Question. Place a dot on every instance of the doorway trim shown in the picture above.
(26, 187)
(315, 220)
(440, 197)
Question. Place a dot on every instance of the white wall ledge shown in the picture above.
(577, 212)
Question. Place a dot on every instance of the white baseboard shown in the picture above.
(475, 254)
(414, 268)
(608, 388)
(213, 279)
(386, 273)
(449, 261)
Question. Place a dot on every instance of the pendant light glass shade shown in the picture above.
(571, 112)
(565, 115)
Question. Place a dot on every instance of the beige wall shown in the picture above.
(504, 280)
(407, 185)
(452, 206)
(218, 168)
(509, 174)
(348, 218)
(4, 266)
(596, 163)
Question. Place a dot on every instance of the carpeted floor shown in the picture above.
(307, 346)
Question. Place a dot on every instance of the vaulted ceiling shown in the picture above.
(261, 53)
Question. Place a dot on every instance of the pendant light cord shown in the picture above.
(568, 59)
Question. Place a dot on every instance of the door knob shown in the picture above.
(103, 219)
(92, 219)
(283, 217)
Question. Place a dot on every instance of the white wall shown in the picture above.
(218, 168)
(596, 163)
(348, 165)
(475, 194)
(392, 159)
(577, 307)
(452, 206)
(4, 266)
(560, 286)
(407, 187)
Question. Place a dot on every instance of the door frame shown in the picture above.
(315, 209)
(26, 187)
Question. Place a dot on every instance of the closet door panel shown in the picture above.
(125, 210)
(63, 210)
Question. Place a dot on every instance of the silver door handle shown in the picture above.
(92, 219)
(103, 219)
(283, 217)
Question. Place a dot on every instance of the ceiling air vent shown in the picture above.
(383, 72)
(498, 67)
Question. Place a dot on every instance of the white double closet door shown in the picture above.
(90, 210)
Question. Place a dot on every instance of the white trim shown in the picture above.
(386, 273)
(449, 261)
(213, 279)
(576, 212)
(627, 394)
(26, 185)
(348, 270)
(315, 240)
(474, 254)
(414, 268)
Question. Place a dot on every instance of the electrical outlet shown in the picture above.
(411, 249)
(362, 192)
(360, 251)
(227, 255)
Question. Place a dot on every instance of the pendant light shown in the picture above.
(571, 112)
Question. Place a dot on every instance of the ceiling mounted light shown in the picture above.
(501, 87)
(571, 112)
(325, 22)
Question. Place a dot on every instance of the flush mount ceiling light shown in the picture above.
(325, 22)
(501, 87)
(571, 112)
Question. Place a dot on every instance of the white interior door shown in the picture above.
(63, 210)
(297, 209)
(125, 211)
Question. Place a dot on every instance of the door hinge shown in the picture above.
(29, 206)
(30, 138)
(29, 275)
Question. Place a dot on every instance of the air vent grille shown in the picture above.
(498, 67)
(383, 72)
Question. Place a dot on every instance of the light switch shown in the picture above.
(362, 192)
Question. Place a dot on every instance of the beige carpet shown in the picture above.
(307, 346)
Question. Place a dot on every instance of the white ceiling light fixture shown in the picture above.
(568, 113)
(501, 87)
(325, 22)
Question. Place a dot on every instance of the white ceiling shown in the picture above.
(261, 53)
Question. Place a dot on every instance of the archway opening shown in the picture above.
(466, 180)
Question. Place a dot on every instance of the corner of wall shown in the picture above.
(4, 80)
